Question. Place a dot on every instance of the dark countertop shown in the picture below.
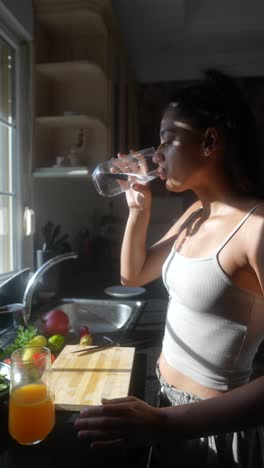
(62, 446)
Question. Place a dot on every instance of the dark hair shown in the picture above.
(217, 101)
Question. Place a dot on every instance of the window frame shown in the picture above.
(21, 43)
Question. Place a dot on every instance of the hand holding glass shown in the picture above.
(31, 403)
(118, 175)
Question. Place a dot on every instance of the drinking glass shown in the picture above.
(31, 403)
(117, 175)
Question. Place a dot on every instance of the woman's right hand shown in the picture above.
(120, 422)
(139, 197)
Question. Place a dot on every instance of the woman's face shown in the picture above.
(180, 155)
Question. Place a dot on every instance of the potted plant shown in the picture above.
(55, 243)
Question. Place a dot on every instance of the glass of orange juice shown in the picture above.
(31, 402)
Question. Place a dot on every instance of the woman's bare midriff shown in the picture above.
(184, 383)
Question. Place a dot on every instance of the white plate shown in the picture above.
(124, 291)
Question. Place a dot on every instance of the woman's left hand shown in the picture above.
(120, 422)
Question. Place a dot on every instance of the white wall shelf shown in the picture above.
(76, 20)
(74, 15)
(62, 171)
(72, 121)
(64, 70)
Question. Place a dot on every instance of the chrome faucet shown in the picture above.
(25, 307)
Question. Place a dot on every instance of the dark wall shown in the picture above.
(153, 98)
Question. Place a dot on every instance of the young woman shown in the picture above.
(212, 262)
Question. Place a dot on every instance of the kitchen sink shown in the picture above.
(103, 317)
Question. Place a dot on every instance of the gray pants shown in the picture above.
(243, 449)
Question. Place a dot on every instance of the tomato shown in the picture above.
(52, 358)
(37, 357)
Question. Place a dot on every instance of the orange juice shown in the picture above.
(31, 413)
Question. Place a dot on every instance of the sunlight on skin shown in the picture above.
(174, 142)
(176, 183)
(179, 124)
(184, 125)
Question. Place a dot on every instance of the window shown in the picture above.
(8, 195)
(16, 243)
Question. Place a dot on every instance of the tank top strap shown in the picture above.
(237, 227)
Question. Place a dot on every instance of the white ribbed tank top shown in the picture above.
(213, 327)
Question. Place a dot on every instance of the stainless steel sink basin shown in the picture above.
(101, 316)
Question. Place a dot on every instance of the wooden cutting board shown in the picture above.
(81, 380)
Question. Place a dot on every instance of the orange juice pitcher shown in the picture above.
(31, 403)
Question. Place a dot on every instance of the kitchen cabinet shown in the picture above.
(85, 95)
